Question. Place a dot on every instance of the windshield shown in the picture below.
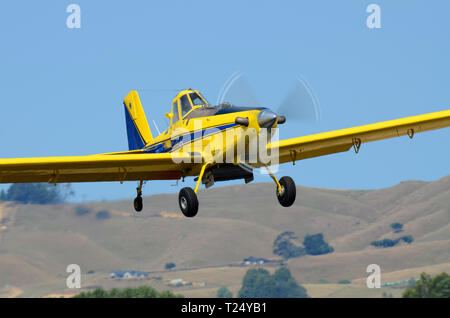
(197, 100)
(185, 105)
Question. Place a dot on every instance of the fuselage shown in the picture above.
(225, 135)
(201, 123)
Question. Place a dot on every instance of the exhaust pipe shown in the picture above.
(242, 121)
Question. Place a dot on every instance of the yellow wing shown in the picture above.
(103, 167)
(342, 140)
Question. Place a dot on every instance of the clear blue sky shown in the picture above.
(62, 89)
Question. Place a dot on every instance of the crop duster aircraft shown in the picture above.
(165, 157)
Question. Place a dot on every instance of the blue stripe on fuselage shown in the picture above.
(159, 148)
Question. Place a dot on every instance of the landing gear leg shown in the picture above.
(286, 191)
(138, 204)
(188, 198)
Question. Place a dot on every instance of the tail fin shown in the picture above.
(138, 131)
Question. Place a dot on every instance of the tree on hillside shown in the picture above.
(428, 287)
(407, 239)
(36, 193)
(384, 243)
(82, 210)
(224, 292)
(285, 248)
(316, 245)
(390, 243)
(411, 282)
(258, 283)
(397, 227)
(103, 215)
(170, 265)
(129, 292)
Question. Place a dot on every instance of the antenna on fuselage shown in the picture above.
(156, 126)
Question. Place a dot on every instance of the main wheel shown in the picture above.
(138, 205)
(288, 192)
(188, 202)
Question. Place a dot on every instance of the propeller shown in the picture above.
(237, 91)
(299, 105)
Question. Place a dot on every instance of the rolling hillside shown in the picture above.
(37, 242)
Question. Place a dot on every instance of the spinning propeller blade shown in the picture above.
(300, 104)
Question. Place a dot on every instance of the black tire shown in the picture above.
(188, 202)
(287, 197)
(138, 205)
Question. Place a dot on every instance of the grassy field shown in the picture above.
(37, 242)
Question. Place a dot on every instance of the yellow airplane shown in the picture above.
(195, 143)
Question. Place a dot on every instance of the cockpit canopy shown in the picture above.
(186, 101)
